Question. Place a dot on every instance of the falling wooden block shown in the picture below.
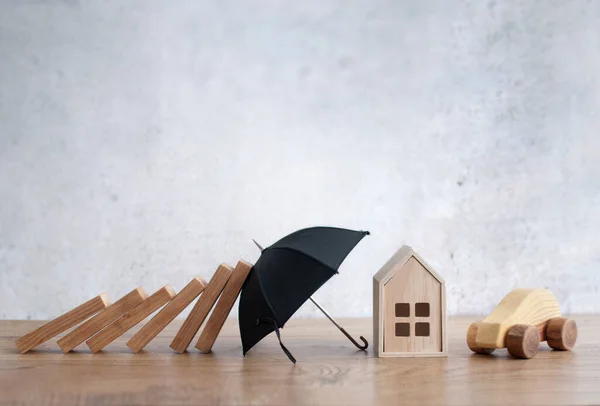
(130, 319)
(102, 319)
(223, 307)
(192, 323)
(166, 315)
(62, 323)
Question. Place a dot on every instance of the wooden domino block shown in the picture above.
(130, 319)
(102, 319)
(62, 323)
(223, 307)
(166, 315)
(192, 323)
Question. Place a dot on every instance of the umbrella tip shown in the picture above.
(366, 232)
(257, 244)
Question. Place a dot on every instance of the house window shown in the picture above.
(402, 330)
(402, 310)
(422, 309)
(422, 329)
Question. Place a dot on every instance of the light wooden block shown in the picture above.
(102, 319)
(192, 323)
(166, 315)
(130, 319)
(223, 307)
(62, 323)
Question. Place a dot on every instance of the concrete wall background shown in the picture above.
(144, 142)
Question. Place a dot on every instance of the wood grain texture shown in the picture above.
(389, 279)
(330, 371)
(561, 333)
(62, 323)
(192, 323)
(414, 284)
(520, 306)
(471, 336)
(523, 341)
(102, 319)
(130, 319)
(166, 315)
(223, 307)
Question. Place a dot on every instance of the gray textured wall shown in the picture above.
(143, 142)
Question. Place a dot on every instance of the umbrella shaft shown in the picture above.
(364, 345)
(325, 313)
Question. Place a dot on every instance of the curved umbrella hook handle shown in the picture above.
(360, 347)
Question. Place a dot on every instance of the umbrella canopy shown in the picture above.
(286, 275)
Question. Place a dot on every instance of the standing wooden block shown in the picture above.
(130, 319)
(62, 323)
(223, 307)
(102, 319)
(192, 323)
(166, 315)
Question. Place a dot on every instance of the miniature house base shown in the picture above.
(409, 308)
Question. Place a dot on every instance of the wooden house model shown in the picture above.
(409, 308)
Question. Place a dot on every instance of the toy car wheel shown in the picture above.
(523, 341)
(471, 335)
(561, 333)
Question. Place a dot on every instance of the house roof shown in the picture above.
(397, 261)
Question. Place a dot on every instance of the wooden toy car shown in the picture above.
(522, 319)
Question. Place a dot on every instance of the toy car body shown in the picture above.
(523, 319)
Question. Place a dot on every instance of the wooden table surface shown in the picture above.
(329, 371)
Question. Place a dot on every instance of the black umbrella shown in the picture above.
(286, 275)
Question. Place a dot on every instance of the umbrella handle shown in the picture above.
(274, 323)
(360, 347)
